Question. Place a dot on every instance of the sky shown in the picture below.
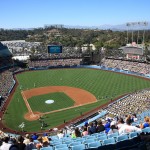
(37, 13)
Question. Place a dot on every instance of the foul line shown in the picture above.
(26, 102)
(50, 112)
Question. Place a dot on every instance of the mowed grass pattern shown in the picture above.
(104, 85)
(61, 100)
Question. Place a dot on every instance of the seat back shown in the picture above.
(132, 135)
(109, 141)
(95, 144)
(122, 138)
(78, 147)
(113, 135)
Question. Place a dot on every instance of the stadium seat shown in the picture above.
(46, 148)
(60, 146)
(74, 143)
(113, 135)
(67, 142)
(56, 143)
(146, 130)
(63, 148)
(78, 147)
(36, 141)
(79, 140)
(122, 138)
(95, 134)
(89, 141)
(132, 135)
(91, 137)
(95, 144)
(101, 138)
(109, 141)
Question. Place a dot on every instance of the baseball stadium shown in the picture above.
(57, 93)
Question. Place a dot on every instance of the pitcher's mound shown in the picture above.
(32, 116)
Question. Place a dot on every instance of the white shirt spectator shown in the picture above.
(120, 125)
(128, 128)
(5, 146)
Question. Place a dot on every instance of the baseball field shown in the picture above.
(70, 93)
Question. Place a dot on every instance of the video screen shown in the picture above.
(54, 49)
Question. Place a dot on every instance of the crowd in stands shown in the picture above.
(135, 102)
(64, 55)
(143, 68)
(127, 118)
(20, 47)
(6, 84)
(98, 133)
(55, 62)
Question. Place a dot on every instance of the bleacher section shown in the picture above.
(137, 67)
(54, 63)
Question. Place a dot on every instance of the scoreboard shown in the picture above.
(54, 49)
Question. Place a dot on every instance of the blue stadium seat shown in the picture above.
(132, 135)
(89, 141)
(60, 146)
(74, 143)
(95, 144)
(78, 147)
(46, 148)
(36, 141)
(91, 137)
(113, 135)
(146, 130)
(95, 134)
(109, 141)
(64, 148)
(122, 138)
(55, 143)
(79, 140)
(101, 138)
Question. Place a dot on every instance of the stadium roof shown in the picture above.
(4, 51)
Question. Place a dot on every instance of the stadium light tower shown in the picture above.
(132, 25)
(145, 24)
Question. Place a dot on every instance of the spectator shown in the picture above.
(76, 133)
(30, 145)
(134, 118)
(107, 125)
(113, 129)
(5, 145)
(91, 128)
(128, 128)
(146, 123)
(85, 132)
(120, 123)
(60, 134)
(35, 136)
(20, 144)
(100, 127)
(26, 140)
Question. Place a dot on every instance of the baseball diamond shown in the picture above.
(84, 90)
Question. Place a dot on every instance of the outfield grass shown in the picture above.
(104, 85)
(61, 100)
